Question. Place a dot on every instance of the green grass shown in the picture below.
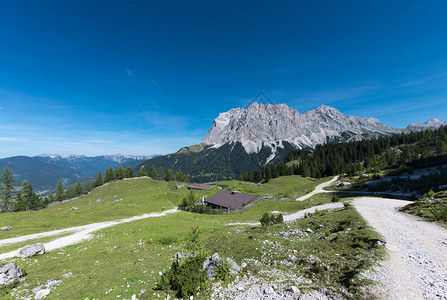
(434, 210)
(118, 200)
(285, 186)
(125, 259)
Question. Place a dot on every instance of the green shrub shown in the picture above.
(270, 219)
(223, 270)
(168, 240)
(440, 214)
(335, 198)
(187, 279)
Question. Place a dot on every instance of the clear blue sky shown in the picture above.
(146, 77)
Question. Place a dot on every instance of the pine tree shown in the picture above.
(112, 173)
(20, 204)
(88, 187)
(160, 173)
(59, 190)
(31, 199)
(129, 172)
(120, 173)
(142, 172)
(168, 175)
(7, 189)
(107, 176)
(99, 180)
(78, 189)
(152, 172)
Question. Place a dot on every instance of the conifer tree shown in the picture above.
(120, 173)
(59, 190)
(78, 189)
(99, 180)
(7, 189)
(129, 172)
(152, 172)
(168, 175)
(142, 172)
(88, 187)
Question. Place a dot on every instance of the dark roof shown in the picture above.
(200, 186)
(228, 199)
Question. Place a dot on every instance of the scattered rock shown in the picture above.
(181, 255)
(269, 291)
(5, 228)
(31, 250)
(210, 265)
(50, 283)
(10, 273)
(308, 230)
(294, 290)
(234, 267)
(42, 294)
(75, 208)
(67, 275)
(99, 201)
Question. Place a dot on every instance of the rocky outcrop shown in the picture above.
(31, 250)
(270, 124)
(211, 263)
(9, 274)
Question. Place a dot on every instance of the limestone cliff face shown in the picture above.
(271, 124)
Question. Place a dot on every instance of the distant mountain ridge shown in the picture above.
(430, 124)
(43, 171)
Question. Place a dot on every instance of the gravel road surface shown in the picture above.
(417, 264)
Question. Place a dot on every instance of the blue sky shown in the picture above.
(147, 77)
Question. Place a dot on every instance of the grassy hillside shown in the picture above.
(126, 259)
(114, 201)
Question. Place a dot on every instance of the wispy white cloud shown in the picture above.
(11, 139)
(129, 72)
(97, 141)
(153, 81)
(1, 107)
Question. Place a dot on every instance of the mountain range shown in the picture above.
(244, 139)
(44, 171)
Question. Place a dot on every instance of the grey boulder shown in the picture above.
(31, 250)
(9, 274)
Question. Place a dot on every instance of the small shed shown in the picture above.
(199, 186)
(229, 199)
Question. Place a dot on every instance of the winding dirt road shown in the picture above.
(417, 264)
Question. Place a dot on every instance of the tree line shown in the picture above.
(399, 151)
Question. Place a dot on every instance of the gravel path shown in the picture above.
(417, 264)
(80, 233)
(299, 214)
(319, 189)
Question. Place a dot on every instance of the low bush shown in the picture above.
(270, 219)
(186, 279)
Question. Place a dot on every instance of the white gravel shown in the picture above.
(80, 233)
(319, 189)
(417, 264)
(299, 214)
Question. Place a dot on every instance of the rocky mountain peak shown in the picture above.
(270, 124)
(430, 124)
